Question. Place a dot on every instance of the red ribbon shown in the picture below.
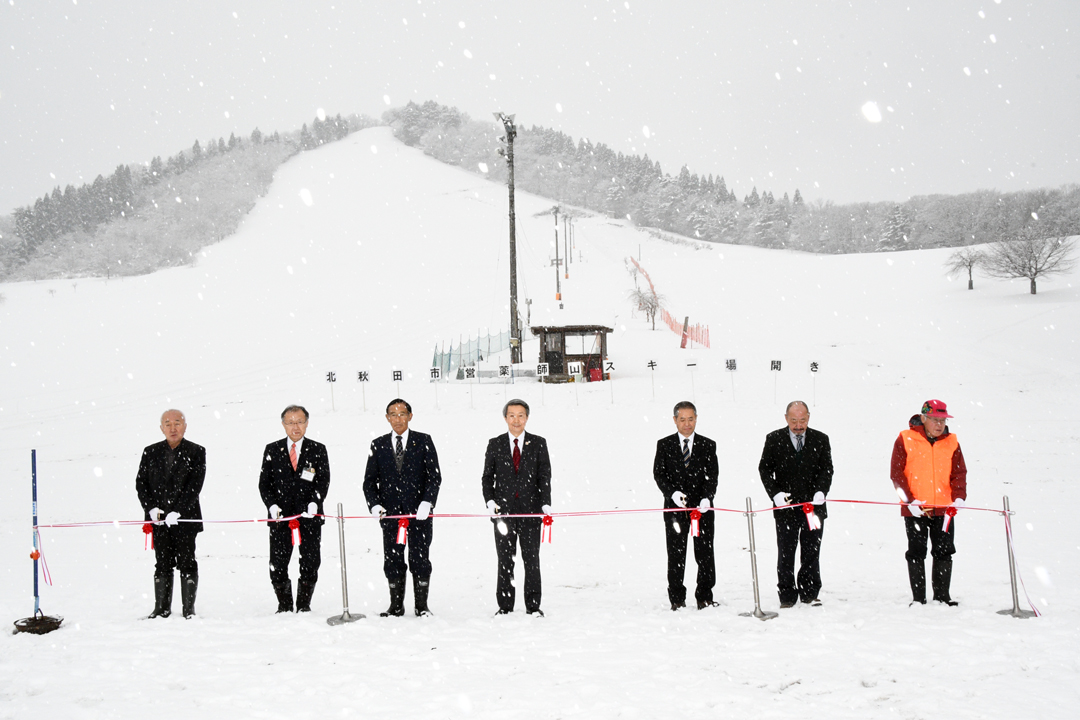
(695, 518)
(148, 534)
(812, 521)
(402, 530)
(950, 513)
(294, 525)
(546, 528)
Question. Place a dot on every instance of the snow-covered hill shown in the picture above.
(363, 256)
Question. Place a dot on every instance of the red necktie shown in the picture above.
(292, 455)
(517, 456)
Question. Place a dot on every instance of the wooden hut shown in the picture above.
(561, 345)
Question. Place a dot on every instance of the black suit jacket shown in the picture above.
(280, 485)
(696, 481)
(524, 491)
(175, 490)
(800, 474)
(400, 493)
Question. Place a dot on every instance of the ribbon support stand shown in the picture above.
(758, 612)
(1016, 611)
(346, 616)
(39, 623)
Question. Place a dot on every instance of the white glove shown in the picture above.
(958, 503)
(172, 518)
(679, 497)
(423, 511)
(312, 508)
(914, 508)
(155, 516)
(546, 509)
(781, 498)
(492, 507)
(704, 504)
(275, 512)
(819, 498)
(378, 511)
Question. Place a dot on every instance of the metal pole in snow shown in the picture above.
(758, 613)
(345, 616)
(1016, 611)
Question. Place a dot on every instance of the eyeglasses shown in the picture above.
(294, 423)
(398, 415)
(936, 420)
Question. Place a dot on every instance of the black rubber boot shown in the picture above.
(420, 593)
(397, 599)
(189, 586)
(917, 575)
(941, 579)
(284, 597)
(304, 592)
(163, 586)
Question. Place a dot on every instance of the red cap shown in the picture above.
(935, 408)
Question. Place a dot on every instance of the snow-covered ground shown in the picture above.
(363, 256)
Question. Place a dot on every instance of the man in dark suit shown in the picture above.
(294, 480)
(686, 471)
(403, 478)
(796, 468)
(170, 478)
(517, 481)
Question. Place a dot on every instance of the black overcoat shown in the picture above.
(800, 474)
(176, 490)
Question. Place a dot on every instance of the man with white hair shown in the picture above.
(170, 479)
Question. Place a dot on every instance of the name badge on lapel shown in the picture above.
(308, 474)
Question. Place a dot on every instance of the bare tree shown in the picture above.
(967, 258)
(649, 302)
(1030, 256)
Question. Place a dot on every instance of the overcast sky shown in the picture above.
(971, 94)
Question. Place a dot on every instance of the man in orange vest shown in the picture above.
(930, 476)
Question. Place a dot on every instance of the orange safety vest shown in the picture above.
(929, 467)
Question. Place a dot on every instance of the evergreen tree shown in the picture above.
(897, 227)
(156, 171)
(307, 142)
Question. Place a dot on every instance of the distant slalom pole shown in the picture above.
(346, 616)
(40, 623)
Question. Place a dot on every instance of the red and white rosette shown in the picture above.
(950, 513)
(402, 530)
(545, 529)
(695, 522)
(148, 536)
(812, 520)
(294, 525)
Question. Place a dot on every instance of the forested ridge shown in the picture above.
(591, 175)
(144, 217)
